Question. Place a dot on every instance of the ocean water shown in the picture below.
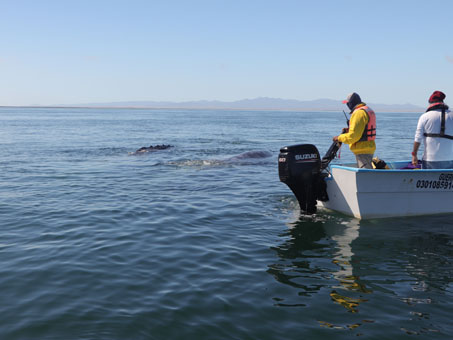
(202, 241)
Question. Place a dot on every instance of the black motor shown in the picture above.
(300, 167)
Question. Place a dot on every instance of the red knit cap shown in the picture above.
(437, 97)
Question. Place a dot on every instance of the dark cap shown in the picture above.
(437, 97)
(352, 100)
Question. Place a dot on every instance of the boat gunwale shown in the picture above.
(354, 169)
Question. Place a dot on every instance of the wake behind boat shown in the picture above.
(363, 193)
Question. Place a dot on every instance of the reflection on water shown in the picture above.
(344, 275)
(395, 271)
(297, 261)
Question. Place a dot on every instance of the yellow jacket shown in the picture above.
(359, 119)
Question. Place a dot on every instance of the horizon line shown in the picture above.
(193, 108)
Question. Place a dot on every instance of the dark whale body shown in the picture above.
(249, 157)
(152, 148)
(252, 155)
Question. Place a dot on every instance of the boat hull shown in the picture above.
(366, 193)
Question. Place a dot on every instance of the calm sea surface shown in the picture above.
(201, 241)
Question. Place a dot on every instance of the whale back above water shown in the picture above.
(248, 156)
(151, 148)
(253, 154)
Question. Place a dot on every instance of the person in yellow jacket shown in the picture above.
(361, 133)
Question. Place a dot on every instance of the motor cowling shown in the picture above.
(299, 167)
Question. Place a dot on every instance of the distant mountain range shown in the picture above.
(261, 103)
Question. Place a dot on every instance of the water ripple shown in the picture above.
(198, 242)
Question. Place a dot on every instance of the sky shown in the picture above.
(74, 52)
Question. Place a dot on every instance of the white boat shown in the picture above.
(376, 193)
(363, 193)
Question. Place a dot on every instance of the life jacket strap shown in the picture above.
(442, 128)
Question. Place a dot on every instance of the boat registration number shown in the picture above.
(445, 182)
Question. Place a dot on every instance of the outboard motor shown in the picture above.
(300, 167)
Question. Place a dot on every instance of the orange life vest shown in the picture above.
(369, 133)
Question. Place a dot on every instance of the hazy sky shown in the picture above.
(69, 52)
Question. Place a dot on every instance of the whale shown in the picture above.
(252, 155)
(249, 157)
(151, 148)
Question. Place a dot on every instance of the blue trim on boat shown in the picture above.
(355, 169)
